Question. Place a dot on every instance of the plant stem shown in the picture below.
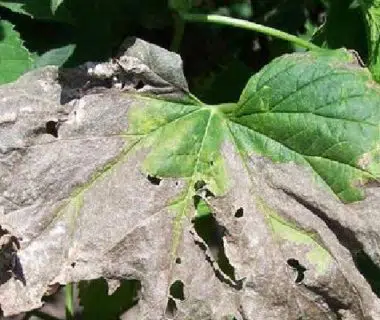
(179, 28)
(239, 23)
(69, 301)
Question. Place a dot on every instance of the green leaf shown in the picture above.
(15, 59)
(371, 10)
(56, 57)
(39, 9)
(318, 111)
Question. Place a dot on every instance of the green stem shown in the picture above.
(179, 28)
(239, 23)
(69, 301)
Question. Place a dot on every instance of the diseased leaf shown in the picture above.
(218, 211)
(15, 59)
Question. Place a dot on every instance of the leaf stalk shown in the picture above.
(248, 25)
(179, 29)
(69, 301)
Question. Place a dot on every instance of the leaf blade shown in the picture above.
(308, 113)
(15, 58)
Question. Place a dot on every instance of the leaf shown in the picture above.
(55, 57)
(224, 211)
(307, 122)
(39, 9)
(371, 9)
(344, 27)
(14, 57)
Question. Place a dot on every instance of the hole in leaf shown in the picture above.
(239, 213)
(201, 207)
(154, 180)
(140, 84)
(171, 308)
(199, 185)
(52, 128)
(178, 260)
(294, 263)
(211, 163)
(209, 194)
(97, 304)
(176, 290)
(369, 270)
(212, 234)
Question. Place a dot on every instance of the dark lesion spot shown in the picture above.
(294, 263)
(178, 260)
(73, 264)
(239, 212)
(154, 180)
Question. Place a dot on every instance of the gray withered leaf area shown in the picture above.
(115, 170)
